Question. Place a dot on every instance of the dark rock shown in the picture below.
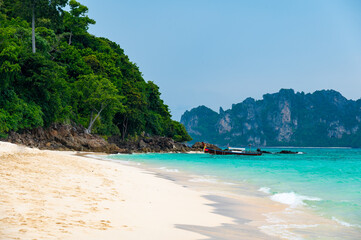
(261, 151)
(266, 152)
(142, 144)
(198, 146)
(63, 137)
(150, 144)
(287, 152)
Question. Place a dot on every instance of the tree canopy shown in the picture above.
(73, 76)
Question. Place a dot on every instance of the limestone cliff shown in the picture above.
(286, 118)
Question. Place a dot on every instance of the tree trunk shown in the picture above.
(125, 128)
(88, 130)
(91, 123)
(33, 29)
(92, 120)
(71, 34)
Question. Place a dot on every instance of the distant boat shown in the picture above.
(231, 151)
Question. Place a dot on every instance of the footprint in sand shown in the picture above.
(94, 209)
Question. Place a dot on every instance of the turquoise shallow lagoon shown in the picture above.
(328, 181)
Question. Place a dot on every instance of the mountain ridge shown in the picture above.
(323, 118)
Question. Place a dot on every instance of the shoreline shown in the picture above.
(57, 195)
(254, 207)
(109, 198)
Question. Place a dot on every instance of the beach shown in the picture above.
(57, 195)
(71, 195)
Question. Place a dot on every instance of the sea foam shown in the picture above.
(342, 222)
(283, 230)
(292, 199)
(265, 190)
(169, 170)
(206, 179)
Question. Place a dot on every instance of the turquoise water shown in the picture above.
(326, 180)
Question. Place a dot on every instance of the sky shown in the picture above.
(220, 52)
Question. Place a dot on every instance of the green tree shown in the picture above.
(9, 56)
(16, 114)
(30, 9)
(84, 79)
(95, 95)
(76, 21)
(43, 81)
(132, 120)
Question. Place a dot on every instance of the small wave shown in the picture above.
(292, 199)
(203, 179)
(265, 190)
(230, 183)
(272, 218)
(283, 230)
(169, 170)
(342, 222)
(211, 180)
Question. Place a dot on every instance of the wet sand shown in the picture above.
(254, 214)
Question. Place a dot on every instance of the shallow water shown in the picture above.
(327, 181)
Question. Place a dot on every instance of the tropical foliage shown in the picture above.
(53, 70)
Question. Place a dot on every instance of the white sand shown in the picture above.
(55, 195)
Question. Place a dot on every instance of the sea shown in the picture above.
(327, 181)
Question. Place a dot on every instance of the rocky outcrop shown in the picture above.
(198, 146)
(73, 137)
(63, 137)
(286, 118)
(150, 144)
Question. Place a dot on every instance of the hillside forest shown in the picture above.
(52, 70)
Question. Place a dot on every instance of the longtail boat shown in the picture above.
(231, 152)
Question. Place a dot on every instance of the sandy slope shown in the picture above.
(55, 195)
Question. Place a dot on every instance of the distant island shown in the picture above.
(321, 119)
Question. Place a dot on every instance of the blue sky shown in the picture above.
(216, 53)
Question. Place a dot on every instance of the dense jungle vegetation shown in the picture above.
(53, 71)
